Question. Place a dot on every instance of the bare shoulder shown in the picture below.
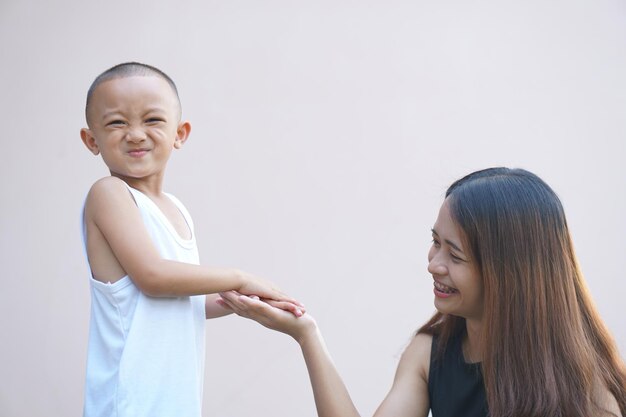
(107, 191)
(105, 186)
(408, 396)
(117, 242)
(416, 356)
(606, 401)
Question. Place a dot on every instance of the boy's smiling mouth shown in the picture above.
(137, 153)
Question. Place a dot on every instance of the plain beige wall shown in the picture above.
(324, 136)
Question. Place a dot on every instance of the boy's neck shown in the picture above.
(151, 186)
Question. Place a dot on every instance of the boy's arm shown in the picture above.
(111, 209)
(214, 309)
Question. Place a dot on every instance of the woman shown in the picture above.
(516, 333)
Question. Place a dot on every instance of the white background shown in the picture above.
(324, 136)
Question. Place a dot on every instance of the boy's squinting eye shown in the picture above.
(115, 123)
(155, 120)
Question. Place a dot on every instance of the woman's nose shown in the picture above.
(435, 266)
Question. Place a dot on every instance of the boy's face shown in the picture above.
(134, 122)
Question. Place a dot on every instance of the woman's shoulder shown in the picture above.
(605, 401)
(422, 342)
(416, 356)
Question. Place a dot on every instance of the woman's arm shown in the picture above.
(409, 393)
(330, 393)
(408, 396)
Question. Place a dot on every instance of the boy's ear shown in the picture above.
(89, 140)
(182, 134)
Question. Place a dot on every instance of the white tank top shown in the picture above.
(145, 355)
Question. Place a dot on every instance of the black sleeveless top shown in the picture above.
(455, 388)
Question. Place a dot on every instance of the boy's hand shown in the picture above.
(270, 314)
(261, 289)
(295, 309)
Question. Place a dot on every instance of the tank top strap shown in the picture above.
(183, 211)
(146, 204)
(136, 194)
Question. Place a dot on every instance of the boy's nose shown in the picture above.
(135, 135)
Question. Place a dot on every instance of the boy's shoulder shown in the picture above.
(107, 191)
(107, 185)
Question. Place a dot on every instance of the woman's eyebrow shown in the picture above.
(449, 242)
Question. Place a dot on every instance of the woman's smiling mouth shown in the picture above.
(443, 291)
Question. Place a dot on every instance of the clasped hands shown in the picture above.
(283, 316)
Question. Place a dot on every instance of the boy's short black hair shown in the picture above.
(128, 69)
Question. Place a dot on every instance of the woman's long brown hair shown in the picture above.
(545, 348)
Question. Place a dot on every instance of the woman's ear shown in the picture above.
(182, 134)
(89, 140)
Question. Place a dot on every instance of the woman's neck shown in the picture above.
(472, 349)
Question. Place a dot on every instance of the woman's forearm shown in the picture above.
(331, 396)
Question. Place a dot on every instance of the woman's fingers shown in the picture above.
(230, 299)
(281, 296)
(254, 308)
(243, 305)
(296, 310)
(281, 300)
(275, 315)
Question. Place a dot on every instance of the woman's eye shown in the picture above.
(455, 258)
(435, 243)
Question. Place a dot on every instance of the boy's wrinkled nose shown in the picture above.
(135, 135)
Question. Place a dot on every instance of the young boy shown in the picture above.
(148, 302)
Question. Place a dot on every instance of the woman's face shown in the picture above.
(458, 285)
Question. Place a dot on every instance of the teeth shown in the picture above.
(444, 288)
